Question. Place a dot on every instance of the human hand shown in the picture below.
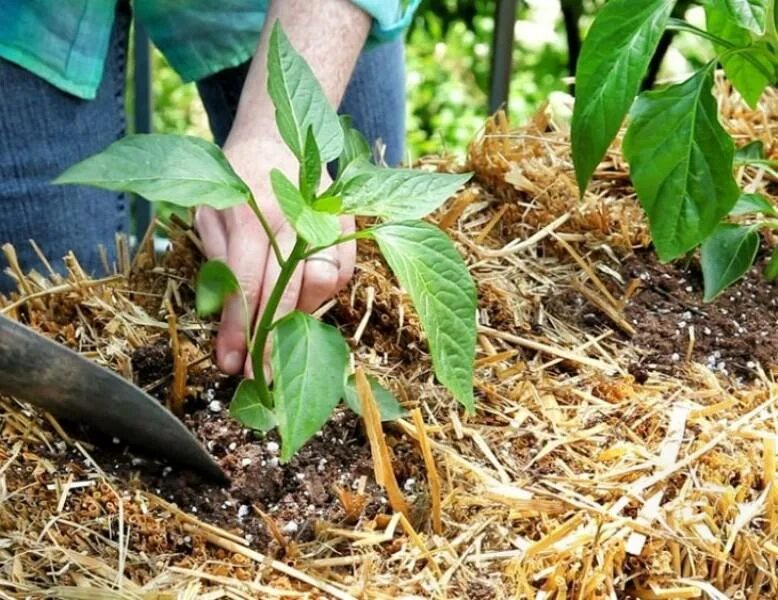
(236, 237)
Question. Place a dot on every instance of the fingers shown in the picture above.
(247, 253)
(320, 279)
(327, 272)
(210, 226)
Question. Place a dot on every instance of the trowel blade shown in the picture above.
(40, 371)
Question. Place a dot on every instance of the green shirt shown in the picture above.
(66, 42)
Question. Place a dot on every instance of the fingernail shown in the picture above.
(233, 361)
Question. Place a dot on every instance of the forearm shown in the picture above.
(329, 34)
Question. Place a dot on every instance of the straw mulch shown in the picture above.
(572, 481)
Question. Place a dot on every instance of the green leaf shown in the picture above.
(613, 62)
(397, 194)
(329, 204)
(726, 256)
(771, 270)
(181, 170)
(215, 282)
(749, 204)
(247, 407)
(299, 100)
(433, 273)
(309, 359)
(354, 170)
(388, 405)
(355, 146)
(310, 168)
(750, 152)
(749, 14)
(739, 66)
(681, 163)
(317, 228)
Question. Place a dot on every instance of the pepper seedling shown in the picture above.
(309, 358)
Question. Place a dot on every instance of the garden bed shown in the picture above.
(624, 444)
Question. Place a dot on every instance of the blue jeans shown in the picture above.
(44, 130)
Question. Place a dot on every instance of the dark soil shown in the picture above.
(731, 334)
(295, 496)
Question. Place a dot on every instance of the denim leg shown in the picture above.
(220, 93)
(42, 132)
(375, 98)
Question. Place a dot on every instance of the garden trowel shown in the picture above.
(40, 371)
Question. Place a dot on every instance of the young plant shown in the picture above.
(681, 158)
(309, 359)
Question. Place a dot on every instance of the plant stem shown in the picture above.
(771, 32)
(768, 165)
(356, 235)
(265, 324)
(681, 25)
(268, 230)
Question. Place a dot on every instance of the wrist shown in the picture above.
(252, 153)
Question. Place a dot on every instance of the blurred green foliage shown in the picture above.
(177, 106)
(448, 59)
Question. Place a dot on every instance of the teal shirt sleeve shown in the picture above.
(202, 37)
(390, 19)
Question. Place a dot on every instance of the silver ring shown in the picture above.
(324, 258)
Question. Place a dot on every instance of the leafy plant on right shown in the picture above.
(681, 159)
